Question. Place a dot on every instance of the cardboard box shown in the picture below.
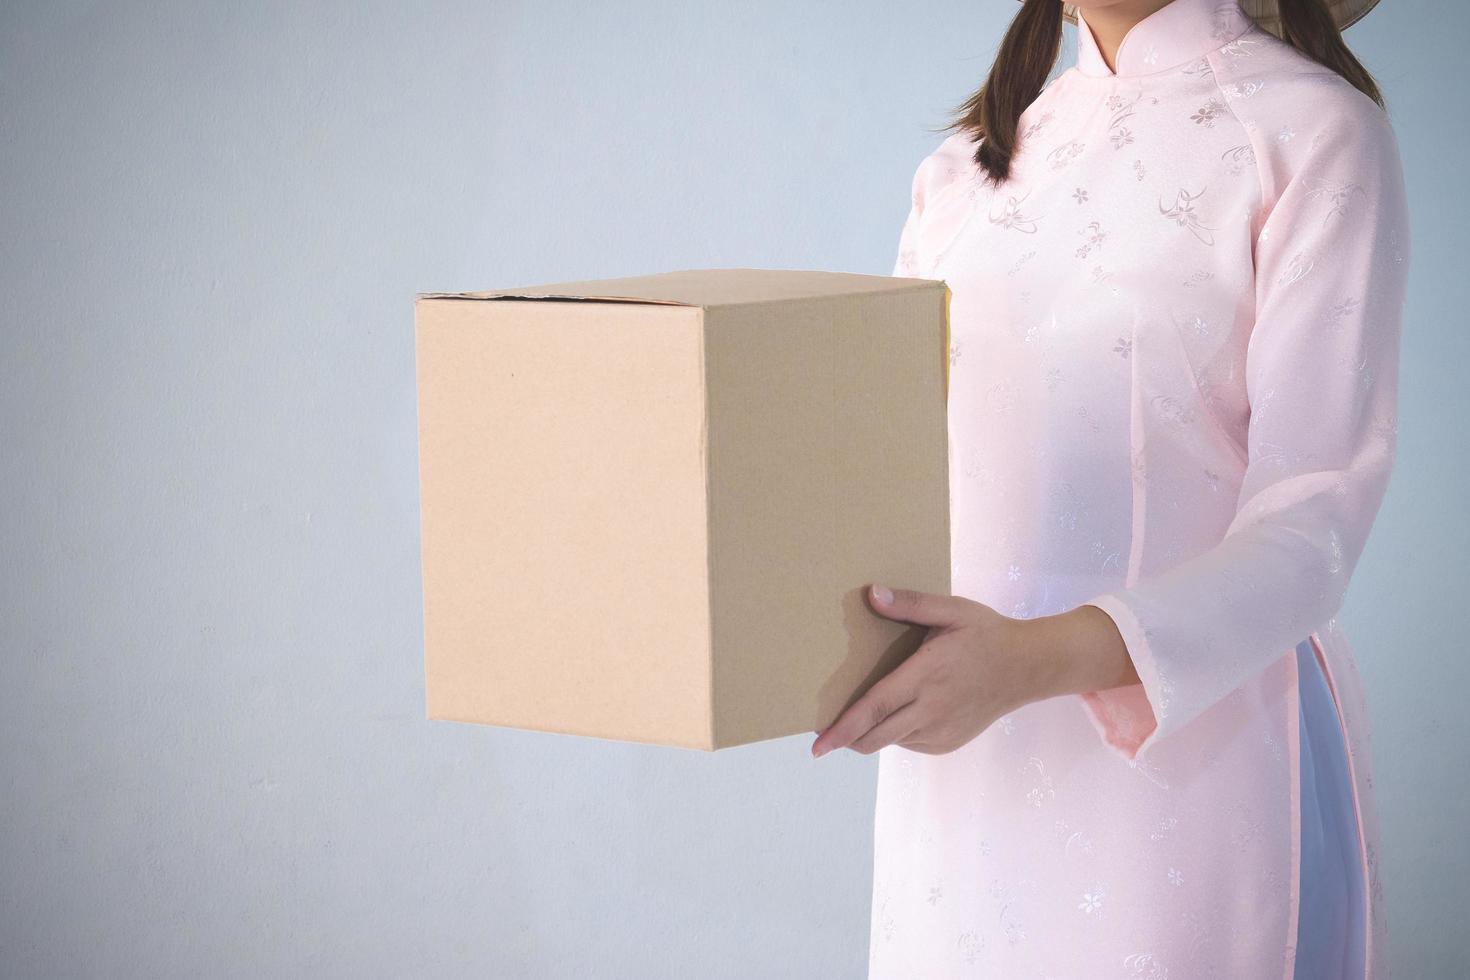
(651, 505)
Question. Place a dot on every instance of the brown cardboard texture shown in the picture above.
(651, 506)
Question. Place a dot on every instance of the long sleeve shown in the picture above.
(906, 264)
(1321, 378)
(930, 224)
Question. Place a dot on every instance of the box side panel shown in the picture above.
(563, 490)
(829, 469)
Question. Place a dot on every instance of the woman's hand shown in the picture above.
(974, 666)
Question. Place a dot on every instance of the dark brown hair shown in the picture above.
(1034, 40)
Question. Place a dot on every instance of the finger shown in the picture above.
(891, 693)
(912, 606)
(895, 728)
(882, 699)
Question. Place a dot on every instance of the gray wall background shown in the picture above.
(213, 218)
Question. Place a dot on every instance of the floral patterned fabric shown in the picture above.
(1173, 374)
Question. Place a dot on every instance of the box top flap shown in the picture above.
(704, 287)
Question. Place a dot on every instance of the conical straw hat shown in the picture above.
(1344, 12)
(1266, 13)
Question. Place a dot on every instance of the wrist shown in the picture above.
(1044, 644)
(1076, 651)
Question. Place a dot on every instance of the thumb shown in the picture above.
(911, 606)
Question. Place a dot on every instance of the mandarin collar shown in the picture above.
(1179, 32)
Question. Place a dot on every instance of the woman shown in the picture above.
(1177, 275)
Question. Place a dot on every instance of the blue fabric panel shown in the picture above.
(1330, 928)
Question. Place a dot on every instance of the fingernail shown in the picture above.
(882, 594)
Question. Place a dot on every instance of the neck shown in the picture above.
(1111, 21)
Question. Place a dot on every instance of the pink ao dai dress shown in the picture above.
(1173, 373)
